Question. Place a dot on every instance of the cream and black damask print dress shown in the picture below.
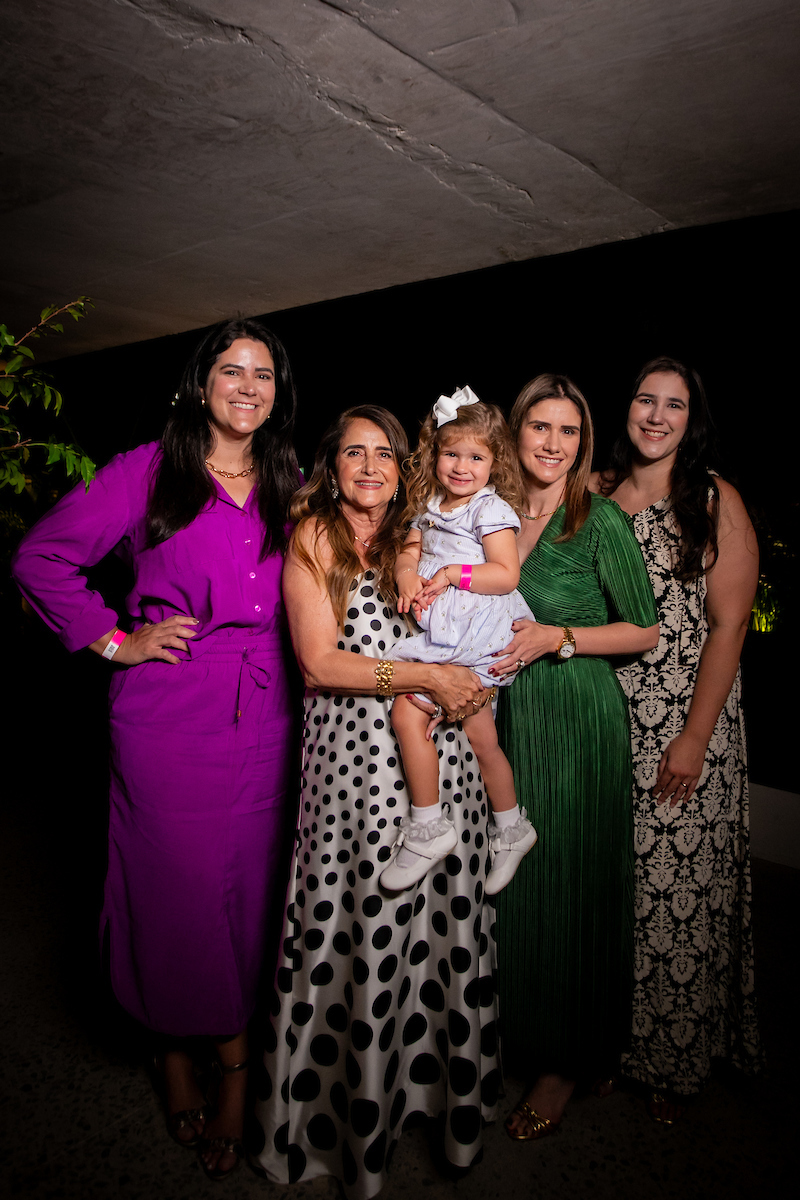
(693, 992)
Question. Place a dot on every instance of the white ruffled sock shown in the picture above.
(406, 857)
(503, 820)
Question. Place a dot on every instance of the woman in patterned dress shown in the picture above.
(384, 1003)
(693, 996)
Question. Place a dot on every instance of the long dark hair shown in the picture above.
(181, 484)
(315, 504)
(577, 499)
(697, 520)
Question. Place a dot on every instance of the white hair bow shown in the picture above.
(446, 407)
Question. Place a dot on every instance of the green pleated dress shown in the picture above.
(565, 922)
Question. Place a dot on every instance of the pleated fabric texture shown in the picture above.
(564, 924)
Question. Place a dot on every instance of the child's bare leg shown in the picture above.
(428, 836)
(420, 758)
(511, 834)
(495, 767)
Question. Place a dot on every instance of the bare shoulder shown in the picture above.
(310, 540)
(737, 562)
(733, 514)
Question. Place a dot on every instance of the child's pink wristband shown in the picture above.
(114, 643)
(465, 582)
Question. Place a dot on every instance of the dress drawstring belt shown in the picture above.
(250, 675)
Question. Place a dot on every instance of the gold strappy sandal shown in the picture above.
(540, 1126)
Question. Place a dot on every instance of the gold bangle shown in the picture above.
(383, 675)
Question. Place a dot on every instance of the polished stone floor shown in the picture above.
(80, 1120)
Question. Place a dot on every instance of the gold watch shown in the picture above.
(567, 647)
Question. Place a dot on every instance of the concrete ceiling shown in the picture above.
(183, 161)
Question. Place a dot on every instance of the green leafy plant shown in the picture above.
(22, 383)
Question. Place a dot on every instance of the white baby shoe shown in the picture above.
(430, 841)
(509, 846)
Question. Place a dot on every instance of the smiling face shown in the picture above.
(549, 441)
(658, 416)
(365, 469)
(240, 389)
(463, 467)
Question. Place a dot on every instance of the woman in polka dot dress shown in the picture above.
(384, 1004)
(458, 572)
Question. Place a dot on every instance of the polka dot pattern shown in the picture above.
(384, 1006)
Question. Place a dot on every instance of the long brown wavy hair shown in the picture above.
(315, 506)
(486, 424)
(690, 484)
(577, 498)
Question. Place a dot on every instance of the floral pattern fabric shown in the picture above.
(694, 993)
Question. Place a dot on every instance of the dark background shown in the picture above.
(716, 297)
(720, 298)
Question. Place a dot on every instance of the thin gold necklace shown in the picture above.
(231, 474)
(529, 518)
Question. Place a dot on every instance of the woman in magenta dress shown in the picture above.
(201, 727)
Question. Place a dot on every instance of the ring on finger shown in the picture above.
(519, 663)
(437, 712)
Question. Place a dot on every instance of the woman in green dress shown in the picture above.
(564, 924)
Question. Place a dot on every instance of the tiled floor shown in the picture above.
(80, 1120)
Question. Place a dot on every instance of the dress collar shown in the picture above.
(435, 503)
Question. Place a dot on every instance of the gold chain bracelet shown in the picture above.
(383, 675)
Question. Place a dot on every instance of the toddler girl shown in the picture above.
(458, 571)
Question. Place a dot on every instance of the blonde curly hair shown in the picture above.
(486, 424)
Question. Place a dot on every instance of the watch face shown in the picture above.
(566, 650)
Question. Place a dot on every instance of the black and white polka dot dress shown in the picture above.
(385, 1003)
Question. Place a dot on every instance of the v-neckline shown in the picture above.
(542, 536)
(225, 494)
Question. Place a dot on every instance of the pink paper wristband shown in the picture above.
(465, 582)
(114, 643)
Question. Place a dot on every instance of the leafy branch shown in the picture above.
(21, 381)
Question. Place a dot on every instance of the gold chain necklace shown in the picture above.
(231, 474)
(529, 518)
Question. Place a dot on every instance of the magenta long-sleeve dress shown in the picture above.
(201, 751)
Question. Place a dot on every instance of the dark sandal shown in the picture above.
(664, 1110)
(226, 1145)
(184, 1117)
(540, 1126)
